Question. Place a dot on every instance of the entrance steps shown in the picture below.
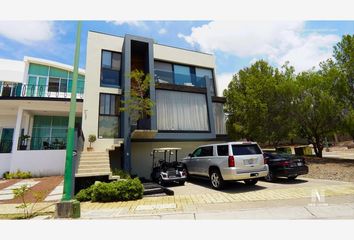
(94, 164)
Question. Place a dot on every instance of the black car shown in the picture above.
(284, 165)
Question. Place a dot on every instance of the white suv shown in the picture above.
(226, 162)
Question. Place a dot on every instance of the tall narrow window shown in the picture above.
(108, 121)
(53, 84)
(110, 69)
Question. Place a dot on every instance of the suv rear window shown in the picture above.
(223, 150)
(246, 149)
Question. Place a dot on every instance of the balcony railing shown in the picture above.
(179, 79)
(43, 143)
(29, 90)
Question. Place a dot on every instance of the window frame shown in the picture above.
(116, 115)
(219, 146)
(110, 69)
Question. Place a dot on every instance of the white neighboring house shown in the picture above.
(34, 102)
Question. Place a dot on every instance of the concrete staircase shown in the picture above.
(94, 164)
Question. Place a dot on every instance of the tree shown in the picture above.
(317, 112)
(258, 103)
(139, 106)
(343, 52)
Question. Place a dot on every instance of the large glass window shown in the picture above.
(110, 69)
(182, 75)
(108, 121)
(49, 132)
(163, 72)
(53, 84)
(181, 111)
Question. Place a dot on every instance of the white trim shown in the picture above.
(52, 63)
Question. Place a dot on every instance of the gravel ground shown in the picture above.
(331, 169)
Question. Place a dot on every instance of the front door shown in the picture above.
(6, 140)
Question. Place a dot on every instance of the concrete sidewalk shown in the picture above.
(285, 210)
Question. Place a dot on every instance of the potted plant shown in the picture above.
(91, 139)
(23, 141)
(139, 106)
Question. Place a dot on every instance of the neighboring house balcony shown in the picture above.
(57, 89)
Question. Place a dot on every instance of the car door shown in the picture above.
(204, 160)
(192, 161)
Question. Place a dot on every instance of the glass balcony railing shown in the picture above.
(180, 79)
(47, 143)
(29, 90)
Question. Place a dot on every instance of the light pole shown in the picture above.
(68, 208)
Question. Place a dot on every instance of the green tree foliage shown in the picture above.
(259, 103)
(317, 111)
(344, 55)
(139, 106)
(343, 52)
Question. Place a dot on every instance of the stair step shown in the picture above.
(92, 174)
(153, 191)
(94, 161)
(87, 166)
(94, 156)
(114, 177)
(88, 154)
(105, 170)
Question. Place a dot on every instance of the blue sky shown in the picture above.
(236, 44)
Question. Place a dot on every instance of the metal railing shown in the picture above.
(45, 143)
(29, 90)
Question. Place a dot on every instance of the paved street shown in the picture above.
(301, 199)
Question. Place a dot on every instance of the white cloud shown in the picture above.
(130, 23)
(162, 31)
(27, 32)
(277, 41)
(222, 82)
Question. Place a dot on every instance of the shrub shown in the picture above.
(130, 189)
(85, 195)
(123, 174)
(17, 175)
(284, 150)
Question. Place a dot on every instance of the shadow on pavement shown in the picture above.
(230, 186)
(286, 181)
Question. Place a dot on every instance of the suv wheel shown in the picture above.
(251, 182)
(292, 178)
(270, 177)
(216, 179)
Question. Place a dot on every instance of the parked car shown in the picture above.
(284, 165)
(166, 168)
(232, 161)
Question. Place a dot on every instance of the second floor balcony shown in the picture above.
(18, 90)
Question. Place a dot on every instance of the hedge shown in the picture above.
(130, 189)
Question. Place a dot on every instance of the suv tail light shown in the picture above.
(231, 161)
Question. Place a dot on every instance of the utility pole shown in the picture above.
(68, 208)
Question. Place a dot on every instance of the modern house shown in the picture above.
(187, 110)
(34, 102)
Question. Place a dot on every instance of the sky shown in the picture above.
(235, 44)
